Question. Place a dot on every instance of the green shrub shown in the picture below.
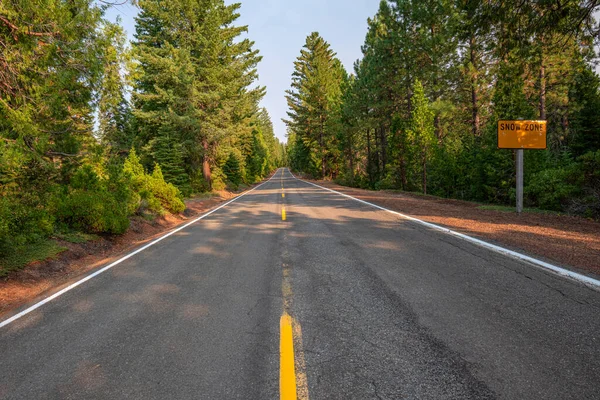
(156, 194)
(551, 189)
(588, 204)
(389, 182)
(85, 178)
(92, 211)
(218, 179)
(199, 184)
(23, 220)
(119, 183)
(89, 205)
(168, 195)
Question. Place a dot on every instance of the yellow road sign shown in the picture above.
(521, 134)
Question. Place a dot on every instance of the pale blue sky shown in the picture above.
(279, 28)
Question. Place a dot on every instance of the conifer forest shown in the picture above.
(95, 129)
(419, 112)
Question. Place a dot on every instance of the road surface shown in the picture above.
(292, 289)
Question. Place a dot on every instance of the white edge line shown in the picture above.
(120, 260)
(587, 280)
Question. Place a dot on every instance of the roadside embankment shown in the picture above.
(23, 285)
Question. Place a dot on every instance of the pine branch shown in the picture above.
(14, 28)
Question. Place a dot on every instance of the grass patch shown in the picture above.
(24, 255)
(512, 209)
(148, 216)
(77, 237)
(418, 194)
(204, 195)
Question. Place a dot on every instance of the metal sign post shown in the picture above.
(521, 134)
(519, 160)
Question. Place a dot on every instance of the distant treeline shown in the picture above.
(420, 111)
(94, 130)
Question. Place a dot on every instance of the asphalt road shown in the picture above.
(381, 308)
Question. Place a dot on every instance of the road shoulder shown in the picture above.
(571, 242)
(41, 278)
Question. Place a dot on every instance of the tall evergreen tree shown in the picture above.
(50, 64)
(113, 108)
(193, 78)
(314, 98)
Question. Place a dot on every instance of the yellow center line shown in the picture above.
(287, 373)
(293, 384)
(292, 367)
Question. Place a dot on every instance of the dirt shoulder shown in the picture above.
(569, 241)
(38, 278)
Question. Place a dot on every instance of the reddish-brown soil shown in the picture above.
(35, 279)
(567, 240)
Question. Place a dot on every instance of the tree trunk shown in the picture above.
(383, 148)
(424, 173)
(378, 159)
(402, 162)
(474, 99)
(351, 159)
(436, 90)
(542, 87)
(369, 159)
(205, 164)
(322, 145)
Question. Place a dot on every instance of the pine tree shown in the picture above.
(313, 100)
(232, 170)
(258, 164)
(584, 98)
(49, 66)
(421, 132)
(113, 109)
(166, 152)
(193, 78)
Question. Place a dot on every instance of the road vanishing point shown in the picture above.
(292, 291)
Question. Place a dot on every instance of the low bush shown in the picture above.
(23, 220)
(156, 194)
(98, 200)
(91, 211)
(588, 204)
(120, 185)
(551, 189)
(167, 194)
